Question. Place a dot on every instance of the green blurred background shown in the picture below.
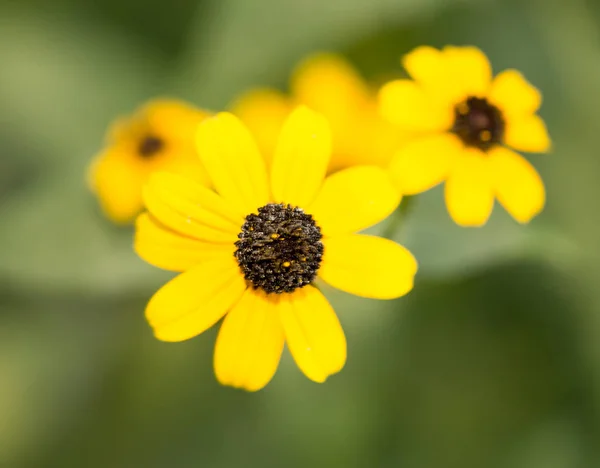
(492, 361)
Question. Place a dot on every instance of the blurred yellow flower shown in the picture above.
(251, 250)
(464, 120)
(159, 136)
(328, 84)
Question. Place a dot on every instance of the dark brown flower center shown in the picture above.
(150, 146)
(279, 249)
(478, 123)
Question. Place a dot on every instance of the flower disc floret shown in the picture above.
(478, 123)
(279, 249)
(150, 146)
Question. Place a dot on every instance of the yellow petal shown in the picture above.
(368, 266)
(428, 67)
(469, 192)
(330, 85)
(313, 333)
(175, 124)
(164, 248)
(527, 133)
(175, 120)
(122, 129)
(191, 209)
(117, 180)
(406, 104)
(250, 342)
(231, 158)
(424, 162)
(514, 95)
(367, 138)
(195, 300)
(354, 199)
(177, 161)
(517, 184)
(301, 158)
(263, 111)
(469, 69)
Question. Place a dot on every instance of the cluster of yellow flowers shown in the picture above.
(255, 206)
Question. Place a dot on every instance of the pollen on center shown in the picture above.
(279, 249)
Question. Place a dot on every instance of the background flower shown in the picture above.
(463, 124)
(159, 136)
(330, 85)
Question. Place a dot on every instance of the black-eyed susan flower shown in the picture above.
(330, 85)
(159, 136)
(465, 123)
(252, 249)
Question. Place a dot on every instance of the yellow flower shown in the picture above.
(252, 249)
(327, 84)
(464, 123)
(159, 136)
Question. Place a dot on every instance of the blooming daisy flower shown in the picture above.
(251, 250)
(465, 123)
(159, 136)
(328, 84)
